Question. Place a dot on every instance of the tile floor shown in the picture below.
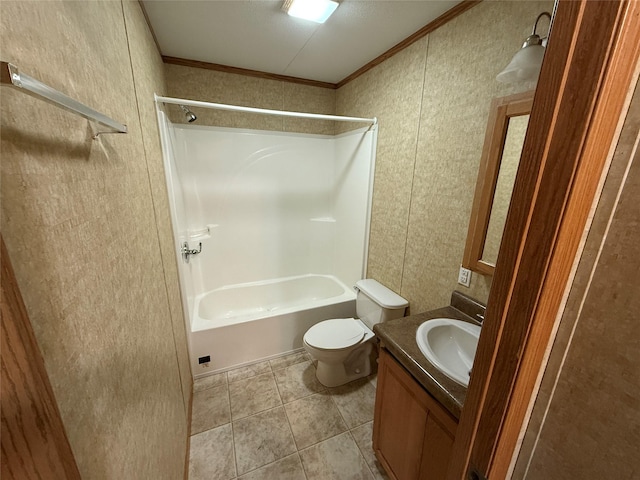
(275, 421)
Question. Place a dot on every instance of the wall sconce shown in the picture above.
(526, 63)
(315, 10)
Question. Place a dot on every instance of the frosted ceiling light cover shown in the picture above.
(315, 10)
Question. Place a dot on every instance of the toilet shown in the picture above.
(343, 346)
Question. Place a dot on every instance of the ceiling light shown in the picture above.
(315, 10)
(526, 63)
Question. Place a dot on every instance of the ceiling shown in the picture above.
(258, 35)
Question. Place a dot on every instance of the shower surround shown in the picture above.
(283, 223)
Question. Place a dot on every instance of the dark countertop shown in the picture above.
(399, 338)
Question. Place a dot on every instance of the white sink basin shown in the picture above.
(450, 345)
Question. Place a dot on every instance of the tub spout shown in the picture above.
(187, 252)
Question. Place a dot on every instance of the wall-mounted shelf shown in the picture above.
(201, 233)
(11, 76)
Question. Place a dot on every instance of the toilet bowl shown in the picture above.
(343, 347)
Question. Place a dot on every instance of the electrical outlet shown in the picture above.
(204, 360)
(464, 276)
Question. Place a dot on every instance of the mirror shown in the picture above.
(506, 129)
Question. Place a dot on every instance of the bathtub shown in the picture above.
(245, 323)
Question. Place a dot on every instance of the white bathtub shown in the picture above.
(245, 323)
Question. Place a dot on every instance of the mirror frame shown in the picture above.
(500, 111)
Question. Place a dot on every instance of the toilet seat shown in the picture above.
(335, 334)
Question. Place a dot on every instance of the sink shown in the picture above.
(450, 345)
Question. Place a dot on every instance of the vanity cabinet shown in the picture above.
(412, 433)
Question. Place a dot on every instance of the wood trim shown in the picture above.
(500, 111)
(581, 97)
(430, 27)
(446, 17)
(34, 442)
(244, 71)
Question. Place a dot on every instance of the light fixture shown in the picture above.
(315, 10)
(526, 63)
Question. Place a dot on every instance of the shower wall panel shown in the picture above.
(353, 182)
(276, 205)
(178, 209)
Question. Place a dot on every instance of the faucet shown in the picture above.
(187, 252)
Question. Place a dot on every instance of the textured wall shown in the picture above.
(432, 101)
(148, 73)
(79, 220)
(218, 87)
(391, 92)
(586, 419)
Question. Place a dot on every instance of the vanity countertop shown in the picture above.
(399, 338)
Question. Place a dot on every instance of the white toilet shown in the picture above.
(342, 346)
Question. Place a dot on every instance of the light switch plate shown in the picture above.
(464, 276)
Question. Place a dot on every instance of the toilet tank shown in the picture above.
(375, 303)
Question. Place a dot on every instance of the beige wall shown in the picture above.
(148, 72)
(586, 419)
(87, 235)
(218, 87)
(432, 101)
(87, 228)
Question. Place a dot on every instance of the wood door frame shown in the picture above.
(34, 440)
(501, 111)
(583, 92)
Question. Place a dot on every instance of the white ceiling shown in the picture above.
(258, 35)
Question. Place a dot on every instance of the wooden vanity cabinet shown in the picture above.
(412, 433)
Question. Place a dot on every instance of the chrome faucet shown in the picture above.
(187, 252)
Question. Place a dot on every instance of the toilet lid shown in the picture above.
(334, 334)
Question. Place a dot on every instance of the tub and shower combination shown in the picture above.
(281, 221)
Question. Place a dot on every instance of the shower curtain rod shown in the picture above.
(282, 113)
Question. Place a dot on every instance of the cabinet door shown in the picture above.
(399, 420)
(412, 433)
(436, 451)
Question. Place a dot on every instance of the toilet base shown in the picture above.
(357, 365)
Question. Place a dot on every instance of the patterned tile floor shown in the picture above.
(275, 421)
